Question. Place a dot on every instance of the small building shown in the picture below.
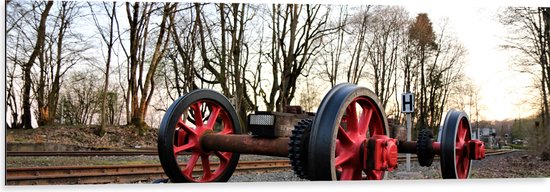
(487, 135)
(484, 132)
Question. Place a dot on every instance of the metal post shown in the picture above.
(408, 109)
(408, 155)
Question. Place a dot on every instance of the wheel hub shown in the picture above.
(381, 153)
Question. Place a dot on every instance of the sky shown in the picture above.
(504, 92)
(502, 89)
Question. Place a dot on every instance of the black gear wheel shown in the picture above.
(298, 144)
(424, 148)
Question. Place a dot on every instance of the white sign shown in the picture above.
(407, 102)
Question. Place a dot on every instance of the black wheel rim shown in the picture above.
(455, 160)
(178, 141)
(326, 130)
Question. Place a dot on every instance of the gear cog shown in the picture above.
(298, 144)
(424, 148)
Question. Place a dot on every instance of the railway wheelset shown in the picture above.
(200, 139)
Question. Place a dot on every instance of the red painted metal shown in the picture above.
(361, 120)
(462, 157)
(437, 147)
(384, 153)
(476, 149)
(188, 137)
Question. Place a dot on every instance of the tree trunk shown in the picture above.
(41, 33)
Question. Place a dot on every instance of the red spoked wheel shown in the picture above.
(179, 142)
(346, 118)
(455, 158)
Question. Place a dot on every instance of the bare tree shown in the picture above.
(423, 39)
(108, 37)
(27, 82)
(180, 75)
(224, 51)
(296, 34)
(80, 103)
(530, 29)
(333, 47)
(359, 25)
(387, 34)
(62, 50)
(141, 81)
(443, 74)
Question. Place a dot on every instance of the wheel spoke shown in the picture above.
(374, 175)
(351, 117)
(198, 114)
(188, 171)
(223, 157)
(186, 128)
(187, 146)
(227, 129)
(343, 136)
(462, 131)
(213, 116)
(364, 121)
(347, 173)
(342, 158)
(465, 165)
(205, 168)
(375, 127)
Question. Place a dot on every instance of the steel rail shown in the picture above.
(97, 153)
(80, 153)
(114, 173)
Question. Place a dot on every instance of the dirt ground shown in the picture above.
(83, 136)
(522, 164)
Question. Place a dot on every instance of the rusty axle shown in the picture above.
(246, 144)
(410, 147)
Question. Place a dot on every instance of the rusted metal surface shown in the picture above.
(407, 147)
(410, 147)
(246, 144)
(283, 125)
(294, 109)
(81, 153)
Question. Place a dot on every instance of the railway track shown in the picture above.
(82, 153)
(131, 173)
(114, 173)
(101, 153)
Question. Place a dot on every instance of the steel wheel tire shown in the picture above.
(334, 150)
(455, 160)
(179, 135)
